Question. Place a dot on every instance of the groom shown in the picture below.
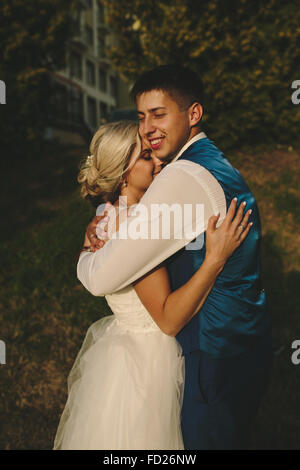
(227, 345)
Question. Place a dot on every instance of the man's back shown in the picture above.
(234, 314)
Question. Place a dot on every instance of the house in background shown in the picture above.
(88, 90)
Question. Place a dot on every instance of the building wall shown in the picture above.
(93, 89)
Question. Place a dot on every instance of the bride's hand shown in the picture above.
(221, 242)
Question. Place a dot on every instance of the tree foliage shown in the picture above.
(33, 35)
(247, 54)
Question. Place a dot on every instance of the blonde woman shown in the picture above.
(126, 385)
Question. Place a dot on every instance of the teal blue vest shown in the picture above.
(234, 316)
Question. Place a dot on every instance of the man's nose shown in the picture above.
(147, 126)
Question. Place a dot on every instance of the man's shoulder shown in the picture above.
(193, 169)
(202, 148)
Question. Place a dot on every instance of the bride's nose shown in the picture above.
(158, 165)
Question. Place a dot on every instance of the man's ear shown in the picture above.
(195, 113)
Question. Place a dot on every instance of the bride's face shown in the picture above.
(143, 171)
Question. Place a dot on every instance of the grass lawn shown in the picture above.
(45, 312)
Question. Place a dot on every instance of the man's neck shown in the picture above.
(193, 132)
(193, 138)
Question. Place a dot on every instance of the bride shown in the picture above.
(125, 388)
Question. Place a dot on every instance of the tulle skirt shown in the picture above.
(125, 391)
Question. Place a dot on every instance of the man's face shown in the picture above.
(163, 126)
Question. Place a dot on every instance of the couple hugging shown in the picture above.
(185, 358)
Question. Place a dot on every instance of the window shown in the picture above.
(76, 23)
(90, 73)
(76, 106)
(102, 80)
(100, 12)
(103, 111)
(92, 112)
(89, 35)
(59, 102)
(76, 65)
(101, 47)
(113, 81)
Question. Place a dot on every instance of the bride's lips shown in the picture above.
(156, 143)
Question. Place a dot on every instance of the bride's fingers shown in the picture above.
(212, 221)
(239, 216)
(245, 232)
(243, 224)
(246, 218)
(230, 212)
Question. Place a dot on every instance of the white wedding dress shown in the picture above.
(126, 384)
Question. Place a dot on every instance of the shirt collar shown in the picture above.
(199, 136)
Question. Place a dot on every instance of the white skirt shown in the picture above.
(125, 391)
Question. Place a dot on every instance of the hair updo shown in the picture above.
(101, 174)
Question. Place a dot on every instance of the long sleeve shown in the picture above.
(183, 188)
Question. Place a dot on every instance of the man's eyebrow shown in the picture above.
(152, 110)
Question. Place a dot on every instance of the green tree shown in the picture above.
(247, 54)
(33, 35)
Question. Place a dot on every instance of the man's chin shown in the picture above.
(160, 154)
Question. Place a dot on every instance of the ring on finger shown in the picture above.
(242, 226)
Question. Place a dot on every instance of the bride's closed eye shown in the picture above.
(146, 155)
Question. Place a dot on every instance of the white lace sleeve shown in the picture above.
(122, 261)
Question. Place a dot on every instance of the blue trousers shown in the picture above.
(221, 397)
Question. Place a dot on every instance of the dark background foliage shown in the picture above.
(247, 54)
(33, 37)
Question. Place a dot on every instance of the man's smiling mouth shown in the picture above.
(156, 143)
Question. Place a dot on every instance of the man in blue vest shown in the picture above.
(227, 345)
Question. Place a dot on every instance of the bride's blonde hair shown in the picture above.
(102, 173)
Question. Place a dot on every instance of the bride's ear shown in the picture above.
(195, 113)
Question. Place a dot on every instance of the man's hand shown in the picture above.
(91, 238)
(96, 232)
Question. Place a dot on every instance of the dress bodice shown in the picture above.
(130, 313)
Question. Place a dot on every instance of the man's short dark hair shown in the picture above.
(181, 83)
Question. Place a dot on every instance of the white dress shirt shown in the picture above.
(122, 261)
